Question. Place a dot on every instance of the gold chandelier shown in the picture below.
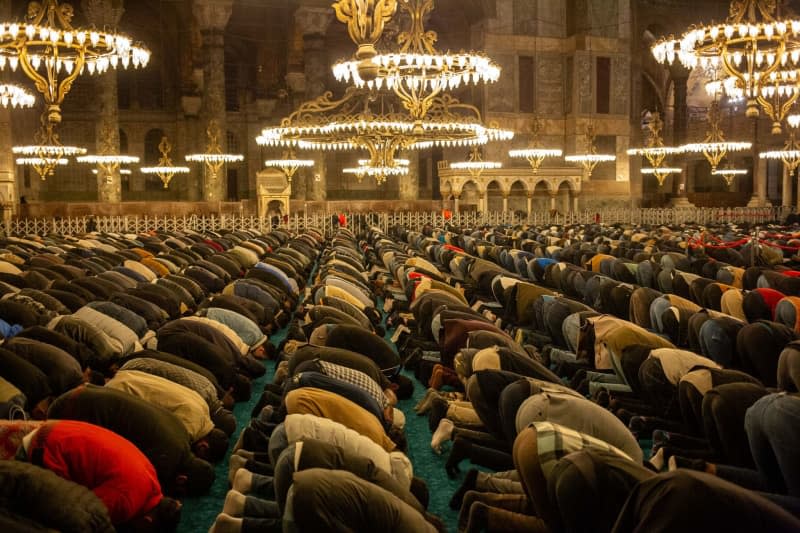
(754, 42)
(535, 154)
(380, 172)
(417, 72)
(351, 123)
(655, 152)
(365, 20)
(729, 173)
(53, 54)
(790, 154)
(47, 153)
(213, 158)
(714, 146)
(591, 158)
(107, 161)
(15, 96)
(289, 164)
(475, 165)
(165, 170)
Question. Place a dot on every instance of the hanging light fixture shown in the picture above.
(790, 154)
(535, 154)
(714, 146)
(213, 158)
(47, 153)
(475, 165)
(729, 173)
(591, 158)
(53, 54)
(754, 42)
(165, 170)
(14, 96)
(655, 152)
(107, 161)
(365, 21)
(289, 164)
(416, 72)
(351, 123)
(380, 173)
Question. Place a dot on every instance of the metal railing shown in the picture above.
(325, 221)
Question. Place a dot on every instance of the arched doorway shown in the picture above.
(469, 197)
(518, 199)
(494, 197)
(563, 202)
(541, 198)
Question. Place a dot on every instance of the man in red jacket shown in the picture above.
(110, 466)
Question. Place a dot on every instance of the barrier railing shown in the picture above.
(327, 221)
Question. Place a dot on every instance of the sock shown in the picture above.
(442, 434)
(247, 454)
(226, 524)
(242, 481)
(468, 485)
(437, 413)
(459, 452)
(235, 463)
(657, 460)
(234, 503)
(425, 403)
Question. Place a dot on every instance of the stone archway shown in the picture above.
(494, 197)
(470, 197)
(563, 197)
(541, 198)
(518, 198)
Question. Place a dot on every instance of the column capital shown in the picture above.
(313, 20)
(212, 14)
(103, 13)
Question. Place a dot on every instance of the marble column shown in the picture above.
(530, 204)
(409, 185)
(575, 198)
(505, 202)
(106, 14)
(786, 190)
(212, 17)
(759, 198)
(553, 198)
(312, 23)
(9, 193)
(679, 129)
(456, 198)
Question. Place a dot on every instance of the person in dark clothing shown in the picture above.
(154, 430)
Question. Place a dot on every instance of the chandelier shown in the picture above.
(289, 164)
(365, 20)
(714, 146)
(660, 173)
(165, 170)
(535, 154)
(351, 123)
(47, 153)
(381, 172)
(754, 42)
(790, 154)
(53, 54)
(655, 152)
(15, 96)
(591, 158)
(107, 161)
(213, 158)
(729, 173)
(475, 165)
(416, 72)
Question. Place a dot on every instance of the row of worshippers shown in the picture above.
(553, 354)
(325, 448)
(122, 358)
